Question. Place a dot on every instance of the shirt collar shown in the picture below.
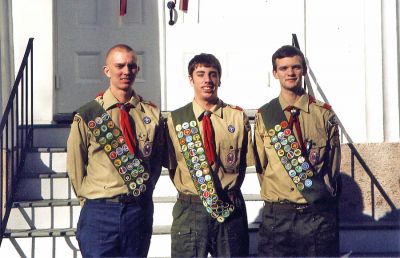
(302, 103)
(110, 101)
(217, 110)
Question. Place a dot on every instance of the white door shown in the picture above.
(86, 29)
(242, 34)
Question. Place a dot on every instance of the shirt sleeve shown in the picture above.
(261, 160)
(171, 161)
(77, 154)
(334, 160)
(249, 145)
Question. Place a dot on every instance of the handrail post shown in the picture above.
(16, 132)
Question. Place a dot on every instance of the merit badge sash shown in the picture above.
(287, 147)
(191, 144)
(109, 136)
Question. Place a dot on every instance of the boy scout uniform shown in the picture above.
(94, 177)
(194, 232)
(298, 182)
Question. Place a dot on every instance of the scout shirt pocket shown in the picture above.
(317, 151)
(145, 145)
(230, 155)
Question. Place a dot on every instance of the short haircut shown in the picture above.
(208, 60)
(289, 51)
(120, 47)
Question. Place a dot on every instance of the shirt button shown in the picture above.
(291, 189)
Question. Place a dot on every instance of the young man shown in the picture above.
(114, 161)
(298, 159)
(210, 148)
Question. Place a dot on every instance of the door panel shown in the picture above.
(86, 29)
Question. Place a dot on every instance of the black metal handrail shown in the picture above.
(354, 152)
(16, 133)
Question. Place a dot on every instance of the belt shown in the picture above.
(122, 198)
(232, 194)
(289, 206)
(300, 207)
(189, 198)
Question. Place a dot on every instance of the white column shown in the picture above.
(373, 70)
(390, 41)
(6, 54)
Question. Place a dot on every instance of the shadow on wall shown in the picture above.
(351, 203)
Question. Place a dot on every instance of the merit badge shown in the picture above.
(102, 141)
(121, 140)
(122, 170)
(194, 130)
(105, 116)
(115, 132)
(124, 158)
(96, 132)
(110, 124)
(189, 138)
(98, 120)
(113, 155)
(103, 128)
(185, 125)
(178, 127)
(91, 124)
(108, 148)
(193, 123)
(231, 128)
(271, 132)
(146, 120)
(109, 136)
(308, 183)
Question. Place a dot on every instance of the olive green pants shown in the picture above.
(195, 234)
(290, 231)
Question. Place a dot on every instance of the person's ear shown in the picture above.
(106, 71)
(274, 74)
(191, 80)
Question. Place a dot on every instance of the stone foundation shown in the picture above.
(362, 200)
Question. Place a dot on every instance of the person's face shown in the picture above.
(205, 81)
(121, 68)
(289, 72)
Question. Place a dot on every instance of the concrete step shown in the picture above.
(50, 135)
(45, 177)
(62, 213)
(354, 242)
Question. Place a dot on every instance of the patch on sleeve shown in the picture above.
(77, 119)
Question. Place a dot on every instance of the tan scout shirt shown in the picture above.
(239, 142)
(318, 124)
(89, 168)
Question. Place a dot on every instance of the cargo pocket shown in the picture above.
(183, 239)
